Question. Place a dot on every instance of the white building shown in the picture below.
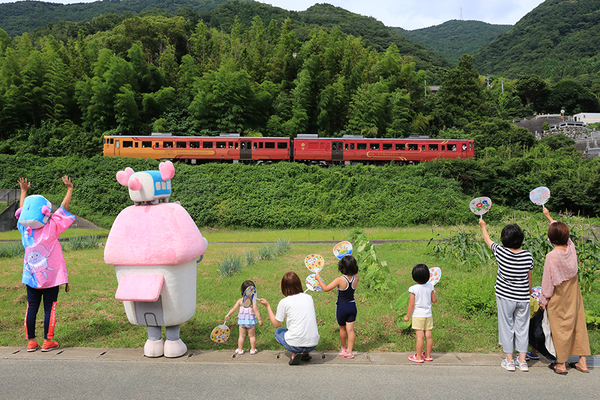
(589, 118)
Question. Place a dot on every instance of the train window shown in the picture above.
(269, 145)
(231, 145)
(413, 147)
(351, 146)
(387, 146)
(464, 146)
(221, 145)
(334, 146)
(243, 145)
(443, 147)
(255, 145)
(361, 146)
(194, 145)
(236, 145)
(374, 146)
(181, 145)
(433, 147)
(423, 147)
(168, 145)
(146, 144)
(346, 146)
(103, 140)
(260, 145)
(117, 144)
(112, 141)
(207, 145)
(281, 145)
(451, 147)
(136, 145)
(400, 146)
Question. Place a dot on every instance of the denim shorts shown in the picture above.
(280, 337)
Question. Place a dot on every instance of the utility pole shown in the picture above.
(425, 80)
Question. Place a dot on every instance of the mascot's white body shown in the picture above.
(154, 248)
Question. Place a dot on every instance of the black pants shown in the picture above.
(34, 299)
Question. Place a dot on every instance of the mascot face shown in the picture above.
(35, 212)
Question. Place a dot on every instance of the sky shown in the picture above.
(413, 14)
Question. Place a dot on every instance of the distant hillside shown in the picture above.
(558, 39)
(373, 32)
(27, 16)
(219, 14)
(454, 38)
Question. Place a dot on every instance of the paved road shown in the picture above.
(86, 373)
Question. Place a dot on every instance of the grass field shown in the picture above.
(90, 316)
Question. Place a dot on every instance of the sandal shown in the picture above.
(426, 358)
(348, 355)
(414, 358)
(578, 368)
(306, 357)
(295, 360)
(552, 366)
(253, 352)
(238, 351)
(342, 353)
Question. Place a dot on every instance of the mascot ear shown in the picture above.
(167, 170)
(46, 211)
(18, 212)
(134, 184)
(123, 176)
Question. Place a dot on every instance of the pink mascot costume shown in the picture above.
(154, 245)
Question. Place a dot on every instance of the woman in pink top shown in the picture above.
(561, 297)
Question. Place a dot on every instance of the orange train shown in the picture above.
(311, 149)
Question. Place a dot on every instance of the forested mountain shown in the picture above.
(27, 16)
(557, 40)
(454, 38)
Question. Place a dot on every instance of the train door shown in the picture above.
(246, 150)
(463, 150)
(337, 151)
(117, 147)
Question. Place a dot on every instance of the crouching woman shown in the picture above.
(297, 309)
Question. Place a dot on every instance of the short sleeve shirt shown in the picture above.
(512, 281)
(422, 300)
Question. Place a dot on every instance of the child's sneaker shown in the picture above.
(522, 365)
(509, 366)
(49, 345)
(530, 356)
(32, 345)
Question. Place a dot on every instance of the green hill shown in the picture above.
(27, 16)
(556, 40)
(454, 38)
(373, 32)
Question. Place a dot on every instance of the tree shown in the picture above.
(532, 90)
(461, 94)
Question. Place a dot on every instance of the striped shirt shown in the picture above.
(512, 282)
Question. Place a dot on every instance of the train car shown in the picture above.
(355, 148)
(229, 148)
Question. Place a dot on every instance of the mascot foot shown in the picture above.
(175, 348)
(154, 348)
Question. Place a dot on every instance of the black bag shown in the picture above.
(537, 339)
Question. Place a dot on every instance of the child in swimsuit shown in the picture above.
(346, 305)
(247, 317)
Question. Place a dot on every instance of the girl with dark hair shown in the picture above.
(297, 309)
(561, 297)
(513, 287)
(247, 317)
(419, 308)
(346, 305)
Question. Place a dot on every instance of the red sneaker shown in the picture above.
(49, 345)
(32, 345)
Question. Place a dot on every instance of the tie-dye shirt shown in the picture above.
(44, 265)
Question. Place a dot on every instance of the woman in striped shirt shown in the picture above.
(513, 287)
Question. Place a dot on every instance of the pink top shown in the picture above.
(158, 234)
(44, 265)
(560, 266)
